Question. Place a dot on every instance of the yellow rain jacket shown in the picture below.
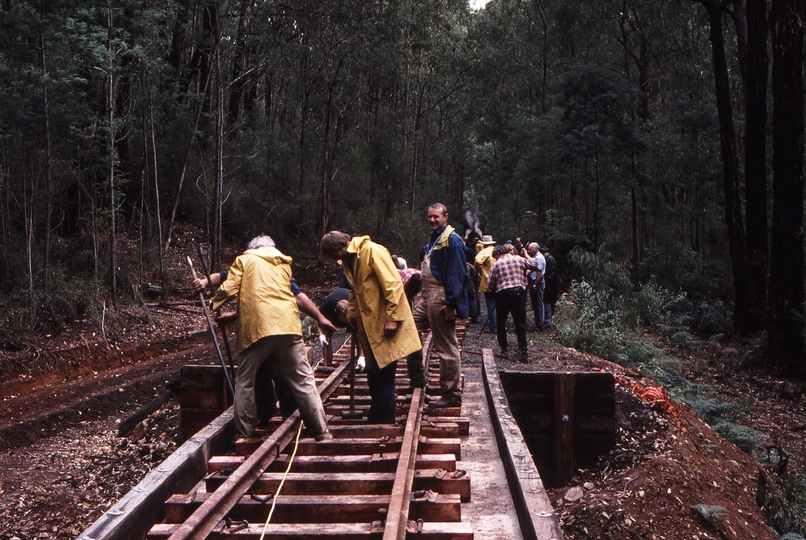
(377, 296)
(260, 279)
(484, 263)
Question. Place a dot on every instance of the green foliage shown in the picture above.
(786, 507)
(744, 437)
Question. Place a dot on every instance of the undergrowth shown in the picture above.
(606, 315)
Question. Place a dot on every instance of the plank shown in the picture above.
(439, 480)
(535, 513)
(564, 421)
(344, 464)
(335, 531)
(317, 508)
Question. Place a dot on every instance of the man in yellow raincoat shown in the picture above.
(484, 263)
(381, 312)
(268, 324)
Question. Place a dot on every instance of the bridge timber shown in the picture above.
(424, 477)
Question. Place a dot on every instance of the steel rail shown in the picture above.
(398, 513)
(202, 522)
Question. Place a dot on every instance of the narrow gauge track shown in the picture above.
(369, 481)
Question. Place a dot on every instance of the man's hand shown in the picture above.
(325, 326)
(390, 328)
(227, 317)
(199, 284)
(361, 364)
(323, 340)
(448, 313)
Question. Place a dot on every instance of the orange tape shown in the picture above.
(652, 396)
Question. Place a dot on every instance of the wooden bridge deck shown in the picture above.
(435, 474)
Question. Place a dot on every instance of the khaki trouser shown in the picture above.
(444, 343)
(289, 353)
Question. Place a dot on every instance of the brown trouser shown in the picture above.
(445, 345)
(289, 353)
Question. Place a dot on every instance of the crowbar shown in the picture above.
(212, 332)
(352, 414)
(212, 292)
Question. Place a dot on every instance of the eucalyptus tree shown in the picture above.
(43, 104)
(597, 130)
(788, 19)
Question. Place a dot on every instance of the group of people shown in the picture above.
(375, 304)
(506, 272)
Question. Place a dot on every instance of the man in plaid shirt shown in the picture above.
(508, 280)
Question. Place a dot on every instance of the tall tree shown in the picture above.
(40, 24)
(113, 254)
(755, 164)
(786, 345)
(742, 319)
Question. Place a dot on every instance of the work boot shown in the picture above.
(524, 357)
(503, 352)
(417, 383)
(326, 436)
(443, 403)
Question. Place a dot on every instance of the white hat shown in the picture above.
(487, 240)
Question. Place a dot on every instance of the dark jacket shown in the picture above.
(552, 278)
(450, 269)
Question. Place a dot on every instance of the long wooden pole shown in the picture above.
(212, 292)
(212, 333)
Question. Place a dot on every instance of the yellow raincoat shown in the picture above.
(261, 281)
(484, 263)
(377, 297)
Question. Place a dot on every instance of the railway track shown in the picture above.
(369, 481)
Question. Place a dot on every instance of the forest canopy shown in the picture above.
(648, 129)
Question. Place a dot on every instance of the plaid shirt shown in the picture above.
(509, 272)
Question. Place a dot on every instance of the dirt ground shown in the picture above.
(62, 462)
(664, 479)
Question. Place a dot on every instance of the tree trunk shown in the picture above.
(786, 257)
(303, 120)
(755, 165)
(730, 171)
(178, 39)
(113, 285)
(238, 78)
(48, 158)
(157, 210)
(326, 169)
(6, 202)
(219, 160)
(180, 183)
(28, 220)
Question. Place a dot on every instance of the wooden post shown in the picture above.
(564, 420)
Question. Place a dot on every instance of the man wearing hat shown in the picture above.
(484, 262)
(552, 290)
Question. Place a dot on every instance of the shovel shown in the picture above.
(352, 414)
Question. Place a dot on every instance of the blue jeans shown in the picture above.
(381, 383)
(536, 292)
(489, 297)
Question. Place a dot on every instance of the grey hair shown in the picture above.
(260, 242)
(533, 246)
(499, 250)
